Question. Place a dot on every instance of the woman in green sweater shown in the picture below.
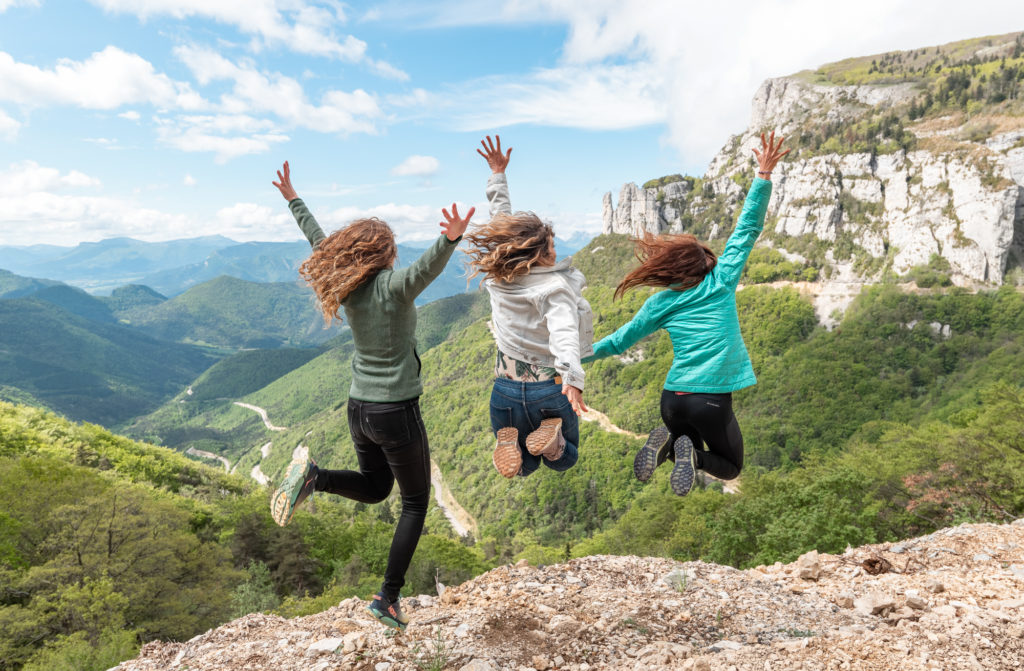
(352, 269)
(710, 361)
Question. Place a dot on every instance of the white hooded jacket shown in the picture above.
(541, 317)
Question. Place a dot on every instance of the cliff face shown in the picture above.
(934, 179)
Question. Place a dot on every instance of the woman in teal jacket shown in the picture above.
(710, 361)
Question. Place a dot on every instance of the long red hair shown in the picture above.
(678, 262)
(347, 258)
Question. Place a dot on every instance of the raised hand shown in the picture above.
(285, 184)
(575, 397)
(492, 152)
(769, 155)
(454, 226)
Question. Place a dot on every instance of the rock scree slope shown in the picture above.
(953, 599)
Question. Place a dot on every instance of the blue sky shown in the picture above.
(162, 119)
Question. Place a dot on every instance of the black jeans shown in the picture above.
(708, 420)
(391, 444)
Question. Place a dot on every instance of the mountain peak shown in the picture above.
(951, 599)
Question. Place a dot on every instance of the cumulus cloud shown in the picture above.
(255, 91)
(8, 127)
(291, 24)
(29, 177)
(419, 166)
(107, 80)
(188, 180)
(131, 115)
(7, 4)
(697, 66)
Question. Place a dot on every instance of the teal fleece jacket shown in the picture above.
(709, 355)
(382, 316)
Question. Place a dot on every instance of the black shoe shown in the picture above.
(685, 470)
(388, 612)
(652, 454)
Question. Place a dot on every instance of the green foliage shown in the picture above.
(768, 265)
(246, 372)
(236, 314)
(933, 274)
(16, 286)
(667, 179)
(256, 594)
(101, 372)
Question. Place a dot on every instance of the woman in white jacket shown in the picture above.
(542, 326)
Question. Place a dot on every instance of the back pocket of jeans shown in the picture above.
(387, 427)
(500, 418)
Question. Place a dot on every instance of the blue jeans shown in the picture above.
(524, 405)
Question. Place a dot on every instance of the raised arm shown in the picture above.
(497, 184)
(751, 221)
(307, 223)
(408, 283)
(643, 324)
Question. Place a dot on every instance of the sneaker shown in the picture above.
(685, 470)
(652, 454)
(547, 441)
(507, 458)
(296, 488)
(388, 612)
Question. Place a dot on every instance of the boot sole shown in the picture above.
(683, 473)
(646, 460)
(281, 503)
(507, 458)
(544, 437)
(387, 620)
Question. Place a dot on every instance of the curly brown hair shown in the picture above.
(509, 245)
(347, 258)
(679, 262)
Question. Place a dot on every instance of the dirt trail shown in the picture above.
(263, 414)
(460, 519)
(209, 455)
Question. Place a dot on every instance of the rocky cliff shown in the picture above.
(925, 157)
(951, 600)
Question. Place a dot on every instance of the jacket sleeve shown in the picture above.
(306, 222)
(408, 283)
(560, 316)
(748, 228)
(497, 194)
(643, 324)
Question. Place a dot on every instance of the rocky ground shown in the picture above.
(950, 600)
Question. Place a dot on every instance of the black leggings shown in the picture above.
(391, 444)
(708, 420)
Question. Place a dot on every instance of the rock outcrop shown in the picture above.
(958, 192)
(951, 600)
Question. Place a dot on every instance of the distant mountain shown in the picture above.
(98, 266)
(133, 296)
(15, 286)
(236, 314)
(84, 366)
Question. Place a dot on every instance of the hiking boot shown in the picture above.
(297, 486)
(388, 612)
(547, 441)
(652, 454)
(507, 458)
(685, 471)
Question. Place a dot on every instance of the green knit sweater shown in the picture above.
(382, 316)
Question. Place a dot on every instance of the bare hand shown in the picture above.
(285, 184)
(769, 155)
(454, 226)
(495, 159)
(575, 397)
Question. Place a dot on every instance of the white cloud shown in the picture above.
(255, 92)
(28, 177)
(207, 134)
(248, 221)
(409, 222)
(697, 65)
(7, 4)
(8, 127)
(131, 115)
(189, 180)
(107, 80)
(419, 166)
(291, 24)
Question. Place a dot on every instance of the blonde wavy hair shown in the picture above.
(509, 245)
(347, 258)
